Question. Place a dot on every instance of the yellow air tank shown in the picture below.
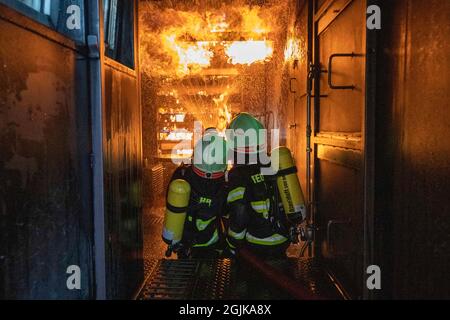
(176, 210)
(288, 184)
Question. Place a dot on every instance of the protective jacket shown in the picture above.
(254, 216)
(203, 227)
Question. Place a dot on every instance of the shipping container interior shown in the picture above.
(94, 120)
(316, 72)
(203, 64)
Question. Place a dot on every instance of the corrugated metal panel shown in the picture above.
(123, 175)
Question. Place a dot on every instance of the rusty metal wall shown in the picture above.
(45, 191)
(123, 175)
(413, 149)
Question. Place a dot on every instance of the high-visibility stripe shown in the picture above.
(273, 240)
(230, 244)
(236, 194)
(203, 224)
(213, 240)
(262, 207)
(259, 205)
(236, 235)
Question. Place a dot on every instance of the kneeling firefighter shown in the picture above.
(195, 201)
(265, 201)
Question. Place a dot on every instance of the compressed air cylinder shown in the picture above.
(288, 184)
(176, 209)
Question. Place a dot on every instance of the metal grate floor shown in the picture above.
(170, 279)
(226, 279)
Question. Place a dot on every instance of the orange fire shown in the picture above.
(190, 57)
(252, 22)
(224, 113)
(217, 24)
(249, 52)
(292, 50)
(190, 43)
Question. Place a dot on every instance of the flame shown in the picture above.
(184, 152)
(189, 56)
(228, 115)
(187, 52)
(179, 43)
(180, 136)
(249, 52)
(252, 22)
(292, 50)
(217, 24)
(224, 113)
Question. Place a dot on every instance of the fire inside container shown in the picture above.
(201, 67)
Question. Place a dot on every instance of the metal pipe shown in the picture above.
(308, 109)
(303, 249)
(276, 277)
(308, 141)
(94, 31)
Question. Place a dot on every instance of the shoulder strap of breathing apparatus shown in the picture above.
(195, 195)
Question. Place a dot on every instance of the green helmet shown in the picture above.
(246, 134)
(210, 156)
(211, 130)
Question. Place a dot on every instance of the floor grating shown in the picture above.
(226, 279)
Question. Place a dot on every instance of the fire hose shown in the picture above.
(278, 279)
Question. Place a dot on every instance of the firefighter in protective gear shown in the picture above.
(202, 234)
(255, 218)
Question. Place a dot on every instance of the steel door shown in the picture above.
(338, 137)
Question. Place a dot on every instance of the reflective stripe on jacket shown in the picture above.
(250, 204)
(273, 240)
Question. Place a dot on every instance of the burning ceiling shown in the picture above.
(181, 43)
(209, 56)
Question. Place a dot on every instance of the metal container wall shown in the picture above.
(45, 174)
(123, 175)
(338, 126)
(413, 149)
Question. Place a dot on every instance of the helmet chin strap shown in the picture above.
(208, 175)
